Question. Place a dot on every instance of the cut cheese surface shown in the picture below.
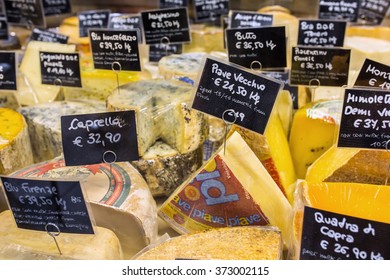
(238, 243)
(205, 38)
(181, 65)
(231, 189)
(20, 244)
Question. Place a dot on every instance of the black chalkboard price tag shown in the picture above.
(119, 21)
(3, 28)
(365, 121)
(102, 137)
(172, 3)
(92, 19)
(62, 69)
(35, 203)
(25, 12)
(249, 19)
(48, 36)
(373, 11)
(7, 71)
(166, 26)
(339, 10)
(331, 236)
(236, 95)
(210, 10)
(156, 52)
(285, 78)
(56, 7)
(374, 74)
(265, 45)
(321, 33)
(115, 46)
(330, 66)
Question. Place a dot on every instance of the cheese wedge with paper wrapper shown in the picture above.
(231, 243)
(231, 189)
(15, 146)
(21, 244)
(119, 198)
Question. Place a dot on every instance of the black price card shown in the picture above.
(331, 236)
(330, 66)
(7, 71)
(156, 52)
(166, 26)
(25, 12)
(210, 10)
(249, 19)
(373, 11)
(172, 3)
(35, 203)
(115, 46)
(321, 33)
(339, 10)
(61, 69)
(231, 93)
(365, 121)
(92, 19)
(48, 36)
(56, 7)
(3, 28)
(285, 78)
(265, 45)
(126, 22)
(102, 137)
(374, 74)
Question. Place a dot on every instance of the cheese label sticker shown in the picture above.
(374, 74)
(172, 3)
(249, 19)
(373, 11)
(48, 36)
(210, 10)
(331, 236)
(365, 121)
(214, 198)
(321, 33)
(3, 28)
(255, 48)
(92, 19)
(7, 71)
(37, 203)
(339, 10)
(56, 7)
(25, 12)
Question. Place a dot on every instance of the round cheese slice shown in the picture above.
(119, 198)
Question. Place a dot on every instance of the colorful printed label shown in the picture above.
(214, 198)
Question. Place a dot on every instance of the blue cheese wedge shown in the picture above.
(181, 65)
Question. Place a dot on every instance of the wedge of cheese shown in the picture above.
(237, 243)
(312, 133)
(205, 38)
(30, 68)
(232, 189)
(181, 65)
(118, 195)
(44, 124)
(15, 147)
(162, 112)
(21, 244)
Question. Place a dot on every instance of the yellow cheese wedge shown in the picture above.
(378, 32)
(15, 147)
(232, 189)
(237, 243)
(21, 244)
(205, 39)
(312, 133)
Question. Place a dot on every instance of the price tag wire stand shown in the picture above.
(227, 123)
(116, 68)
(54, 234)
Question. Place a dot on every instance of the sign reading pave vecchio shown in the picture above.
(365, 121)
(329, 65)
(35, 203)
(374, 74)
(331, 236)
(235, 95)
(110, 46)
(166, 26)
(321, 33)
(7, 71)
(25, 12)
(102, 137)
(339, 10)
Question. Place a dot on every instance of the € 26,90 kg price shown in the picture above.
(357, 253)
(97, 138)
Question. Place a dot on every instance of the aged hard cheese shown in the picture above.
(21, 244)
(205, 39)
(15, 147)
(238, 243)
(162, 112)
(44, 124)
(180, 65)
(119, 198)
(231, 189)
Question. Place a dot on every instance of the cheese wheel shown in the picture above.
(15, 147)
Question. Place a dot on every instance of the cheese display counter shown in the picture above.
(200, 186)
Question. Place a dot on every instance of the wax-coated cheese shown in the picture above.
(237, 243)
(232, 189)
(21, 244)
(15, 147)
